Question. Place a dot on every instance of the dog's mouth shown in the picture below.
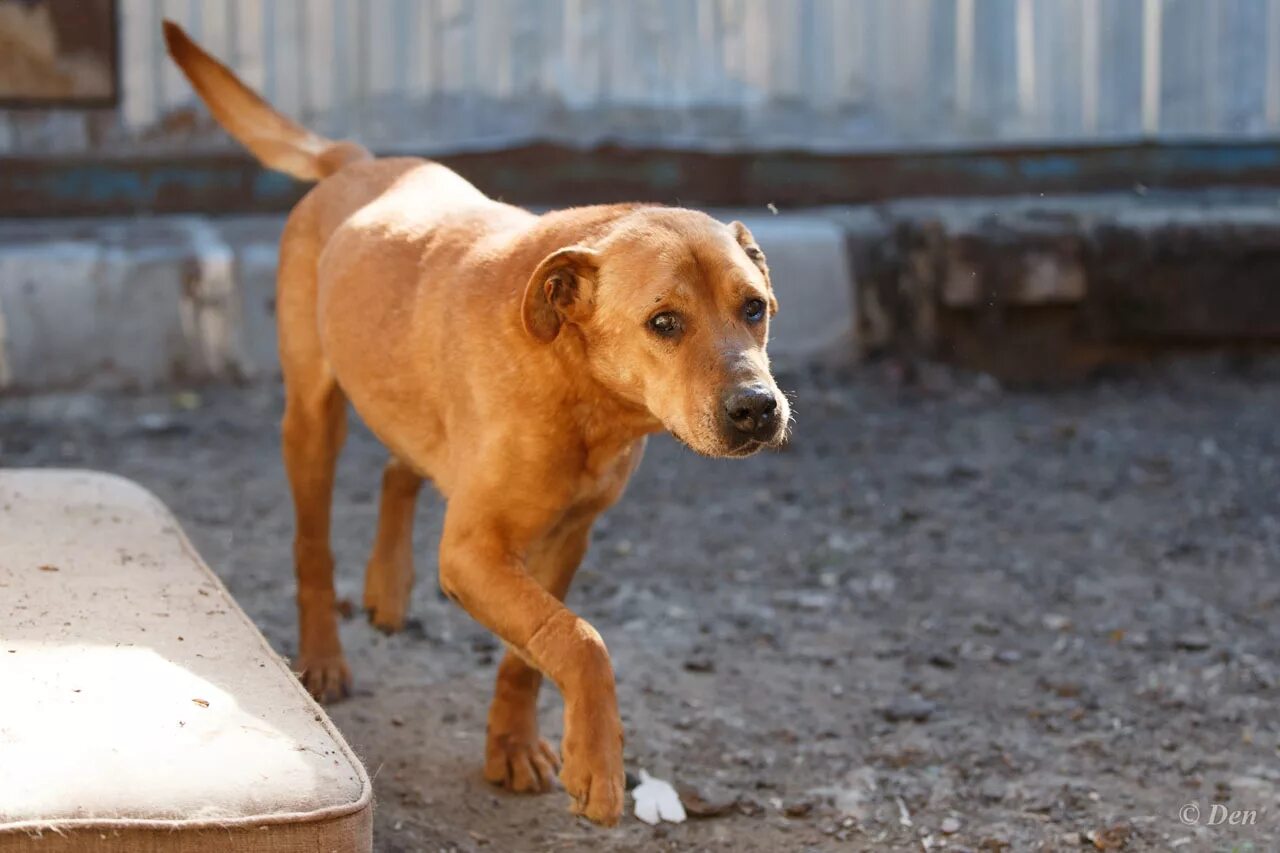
(749, 447)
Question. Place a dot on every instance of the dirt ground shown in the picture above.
(948, 617)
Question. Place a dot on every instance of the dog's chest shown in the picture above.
(604, 475)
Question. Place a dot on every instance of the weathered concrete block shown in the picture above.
(48, 310)
(117, 307)
(1022, 275)
(139, 337)
(256, 273)
(813, 280)
(1039, 290)
(78, 314)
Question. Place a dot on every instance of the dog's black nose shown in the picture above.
(752, 411)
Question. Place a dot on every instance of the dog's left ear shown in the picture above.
(561, 289)
(749, 245)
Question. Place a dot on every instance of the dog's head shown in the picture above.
(672, 309)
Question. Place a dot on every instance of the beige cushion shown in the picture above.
(139, 707)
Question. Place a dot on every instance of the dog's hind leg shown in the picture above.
(314, 429)
(315, 424)
(515, 757)
(388, 579)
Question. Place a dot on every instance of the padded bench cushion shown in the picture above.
(140, 709)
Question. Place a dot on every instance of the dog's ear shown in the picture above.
(754, 252)
(560, 289)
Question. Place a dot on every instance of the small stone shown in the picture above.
(942, 660)
(397, 721)
(1193, 642)
(986, 627)
(700, 664)
(798, 809)
(950, 826)
(1111, 838)
(1055, 622)
(814, 600)
(909, 709)
(841, 544)
(187, 400)
(484, 643)
(158, 423)
(1008, 656)
(992, 791)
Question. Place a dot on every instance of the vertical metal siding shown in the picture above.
(840, 75)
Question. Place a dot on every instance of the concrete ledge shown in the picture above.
(145, 303)
(118, 305)
(1028, 289)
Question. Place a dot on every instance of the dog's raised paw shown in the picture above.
(525, 765)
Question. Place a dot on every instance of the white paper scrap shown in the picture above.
(656, 801)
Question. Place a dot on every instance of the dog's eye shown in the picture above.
(666, 324)
(753, 310)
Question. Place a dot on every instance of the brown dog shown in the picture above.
(518, 361)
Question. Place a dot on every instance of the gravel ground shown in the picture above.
(947, 617)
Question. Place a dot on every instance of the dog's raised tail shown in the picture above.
(277, 142)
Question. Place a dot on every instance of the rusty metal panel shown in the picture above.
(544, 174)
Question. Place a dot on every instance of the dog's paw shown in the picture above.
(520, 763)
(388, 619)
(593, 774)
(326, 677)
(386, 593)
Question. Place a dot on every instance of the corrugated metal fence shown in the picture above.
(821, 75)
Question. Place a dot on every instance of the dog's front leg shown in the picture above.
(514, 755)
(482, 568)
